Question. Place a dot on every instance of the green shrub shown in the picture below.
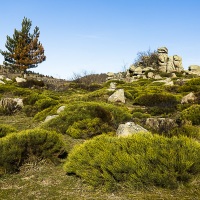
(6, 129)
(188, 88)
(40, 116)
(159, 100)
(128, 95)
(30, 110)
(21, 91)
(17, 148)
(139, 160)
(108, 115)
(31, 99)
(194, 81)
(192, 114)
(45, 103)
(186, 130)
(5, 88)
(181, 107)
(87, 128)
(140, 115)
(191, 85)
(154, 111)
(31, 82)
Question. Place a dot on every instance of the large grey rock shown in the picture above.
(118, 96)
(173, 75)
(129, 128)
(11, 104)
(178, 63)
(162, 58)
(8, 79)
(194, 68)
(110, 74)
(1, 82)
(19, 102)
(160, 124)
(138, 71)
(2, 77)
(170, 83)
(112, 86)
(189, 98)
(150, 75)
(170, 64)
(60, 109)
(132, 68)
(20, 80)
(50, 117)
(147, 69)
(157, 76)
(162, 50)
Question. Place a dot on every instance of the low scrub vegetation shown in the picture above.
(192, 114)
(6, 129)
(142, 159)
(157, 103)
(85, 130)
(86, 119)
(17, 148)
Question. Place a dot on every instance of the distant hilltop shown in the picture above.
(152, 65)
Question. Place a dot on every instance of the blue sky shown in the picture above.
(102, 36)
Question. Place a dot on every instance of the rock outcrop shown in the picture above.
(162, 58)
(194, 69)
(50, 117)
(20, 80)
(60, 109)
(117, 96)
(11, 105)
(112, 86)
(165, 63)
(168, 63)
(160, 124)
(129, 128)
(1, 82)
(189, 98)
(177, 60)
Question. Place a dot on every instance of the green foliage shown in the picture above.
(194, 81)
(158, 103)
(87, 128)
(192, 114)
(17, 148)
(140, 115)
(45, 103)
(147, 59)
(21, 92)
(109, 116)
(156, 110)
(159, 100)
(23, 49)
(32, 83)
(40, 116)
(6, 129)
(186, 130)
(128, 95)
(30, 110)
(14, 90)
(142, 159)
(191, 85)
(31, 99)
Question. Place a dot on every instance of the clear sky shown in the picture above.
(104, 35)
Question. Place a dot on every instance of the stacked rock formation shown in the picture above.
(168, 63)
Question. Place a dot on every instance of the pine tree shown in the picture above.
(24, 51)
